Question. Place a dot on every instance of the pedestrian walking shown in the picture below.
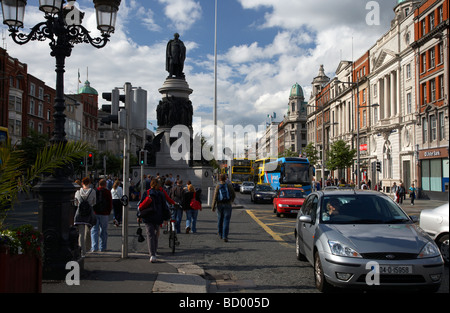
(85, 199)
(154, 220)
(102, 210)
(412, 193)
(117, 194)
(223, 198)
(177, 194)
(191, 213)
(401, 193)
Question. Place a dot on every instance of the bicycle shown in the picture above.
(171, 230)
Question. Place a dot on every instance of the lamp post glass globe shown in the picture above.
(106, 15)
(50, 6)
(13, 13)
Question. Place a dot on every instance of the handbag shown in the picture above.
(146, 208)
(195, 204)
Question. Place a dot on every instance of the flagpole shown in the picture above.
(215, 85)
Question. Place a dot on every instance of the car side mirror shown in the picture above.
(305, 219)
(414, 219)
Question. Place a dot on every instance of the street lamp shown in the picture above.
(358, 107)
(62, 26)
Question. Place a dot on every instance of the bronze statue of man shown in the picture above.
(175, 57)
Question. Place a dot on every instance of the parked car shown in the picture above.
(262, 193)
(288, 201)
(435, 223)
(247, 187)
(363, 239)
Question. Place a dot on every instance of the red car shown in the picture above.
(288, 201)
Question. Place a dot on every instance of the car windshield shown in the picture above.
(288, 193)
(264, 188)
(361, 209)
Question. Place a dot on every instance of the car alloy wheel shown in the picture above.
(443, 246)
(321, 283)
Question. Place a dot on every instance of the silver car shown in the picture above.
(247, 187)
(363, 239)
(435, 223)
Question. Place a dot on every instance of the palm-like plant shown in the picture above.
(15, 178)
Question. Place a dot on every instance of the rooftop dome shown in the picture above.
(297, 91)
(87, 89)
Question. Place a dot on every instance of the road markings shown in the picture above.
(275, 235)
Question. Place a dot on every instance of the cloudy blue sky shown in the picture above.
(264, 47)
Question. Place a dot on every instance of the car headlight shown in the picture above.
(429, 251)
(283, 205)
(340, 249)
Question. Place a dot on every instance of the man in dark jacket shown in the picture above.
(177, 193)
(102, 210)
(224, 196)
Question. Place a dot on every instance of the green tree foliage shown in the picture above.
(340, 156)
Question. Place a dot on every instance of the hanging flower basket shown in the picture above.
(21, 260)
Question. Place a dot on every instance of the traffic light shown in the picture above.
(90, 159)
(143, 157)
(114, 97)
(378, 166)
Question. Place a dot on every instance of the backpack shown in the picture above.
(224, 194)
(100, 206)
(84, 208)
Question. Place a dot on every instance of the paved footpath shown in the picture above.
(107, 272)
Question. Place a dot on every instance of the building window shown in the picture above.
(441, 126)
(424, 62)
(433, 128)
(408, 71)
(32, 90)
(424, 30)
(441, 87)
(41, 109)
(440, 14)
(441, 53)
(431, 19)
(432, 90)
(432, 58)
(424, 93)
(364, 118)
(32, 107)
(375, 115)
(375, 91)
(408, 103)
(41, 93)
(425, 130)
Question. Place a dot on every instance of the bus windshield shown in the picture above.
(296, 173)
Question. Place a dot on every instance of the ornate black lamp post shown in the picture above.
(63, 28)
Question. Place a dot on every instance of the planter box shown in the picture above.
(20, 273)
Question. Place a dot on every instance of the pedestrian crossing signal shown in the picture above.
(90, 159)
(378, 166)
(143, 157)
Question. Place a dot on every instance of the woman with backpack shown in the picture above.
(152, 222)
(224, 196)
(85, 199)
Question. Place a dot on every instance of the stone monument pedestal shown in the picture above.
(175, 109)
